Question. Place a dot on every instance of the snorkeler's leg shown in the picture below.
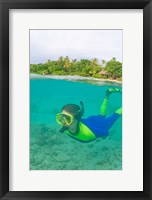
(119, 111)
(113, 118)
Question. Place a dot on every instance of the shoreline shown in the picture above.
(73, 78)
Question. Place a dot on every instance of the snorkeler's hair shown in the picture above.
(74, 110)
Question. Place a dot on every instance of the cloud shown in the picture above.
(77, 44)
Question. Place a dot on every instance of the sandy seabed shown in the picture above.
(52, 150)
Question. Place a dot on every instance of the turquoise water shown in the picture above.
(52, 150)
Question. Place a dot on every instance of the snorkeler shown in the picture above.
(86, 130)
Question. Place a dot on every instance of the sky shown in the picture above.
(77, 44)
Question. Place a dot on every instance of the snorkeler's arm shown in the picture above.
(103, 108)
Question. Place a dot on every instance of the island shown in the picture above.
(93, 68)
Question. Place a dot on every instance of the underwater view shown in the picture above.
(51, 149)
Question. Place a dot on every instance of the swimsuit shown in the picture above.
(93, 127)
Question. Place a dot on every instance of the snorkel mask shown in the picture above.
(66, 119)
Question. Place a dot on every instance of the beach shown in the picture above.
(96, 81)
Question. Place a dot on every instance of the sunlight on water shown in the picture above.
(52, 150)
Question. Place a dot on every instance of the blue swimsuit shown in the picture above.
(100, 124)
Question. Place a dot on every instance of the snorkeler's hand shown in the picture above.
(111, 90)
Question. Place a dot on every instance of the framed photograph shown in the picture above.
(75, 106)
(81, 99)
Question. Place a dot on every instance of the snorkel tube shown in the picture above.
(64, 128)
(82, 108)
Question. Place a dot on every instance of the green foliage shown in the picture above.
(84, 67)
(119, 79)
(98, 76)
(114, 69)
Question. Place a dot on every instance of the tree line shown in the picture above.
(88, 68)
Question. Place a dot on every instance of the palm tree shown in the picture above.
(114, 59)
(67, 64)
(103, 63)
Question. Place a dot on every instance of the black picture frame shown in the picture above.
(5, 5)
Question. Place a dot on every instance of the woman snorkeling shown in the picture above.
(86, 130)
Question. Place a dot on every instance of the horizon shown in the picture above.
(100, 61)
